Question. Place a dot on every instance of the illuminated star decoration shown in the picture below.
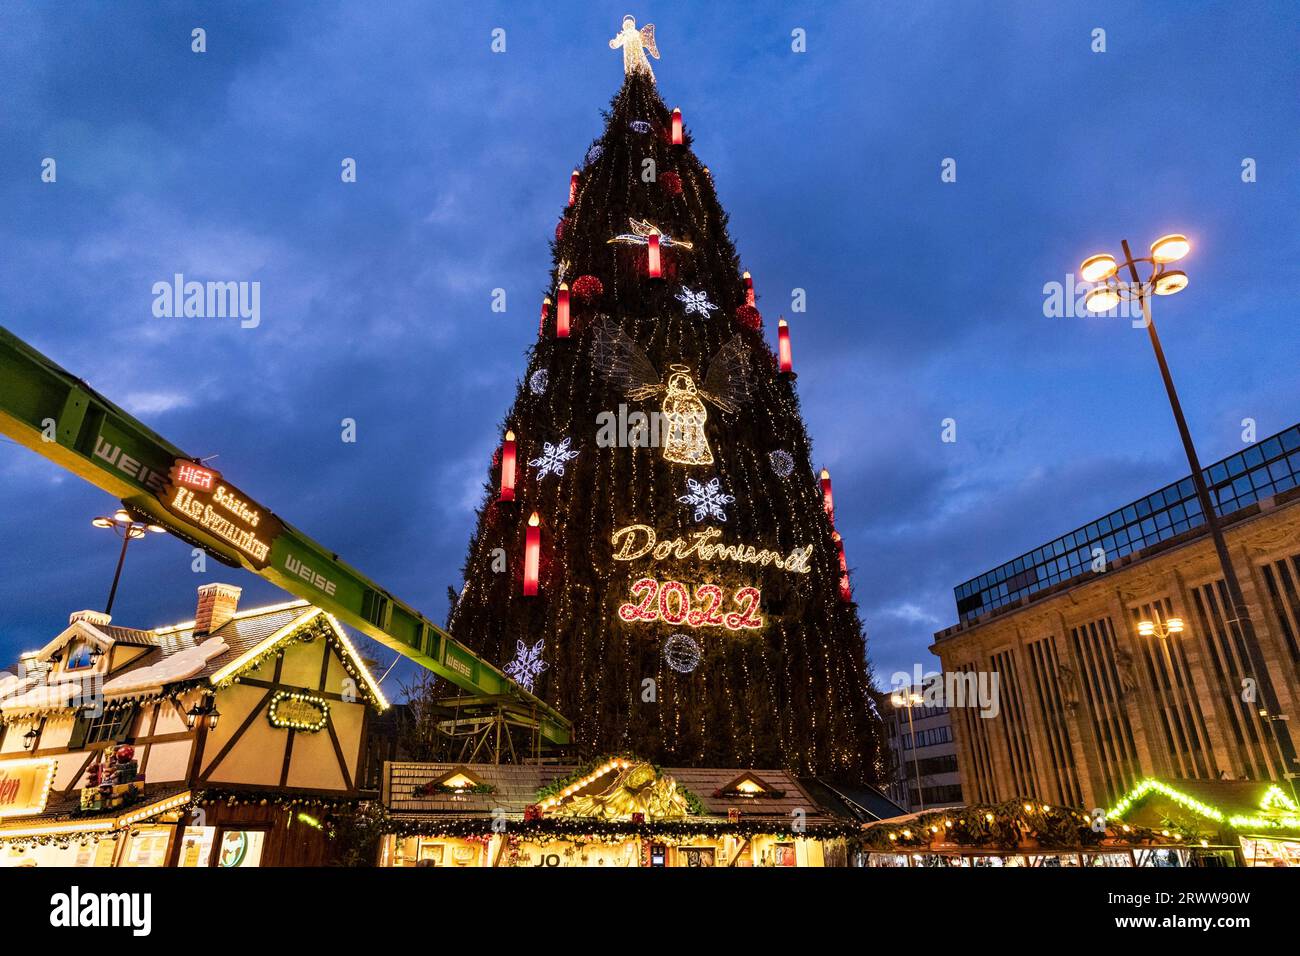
(696, 302)
(553, 458)
(527, 665)
(708, 500)
(641, 233)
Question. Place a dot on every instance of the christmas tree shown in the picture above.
(656, 556)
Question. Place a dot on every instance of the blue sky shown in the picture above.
(925, 299)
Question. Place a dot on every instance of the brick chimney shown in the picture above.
(217, 605)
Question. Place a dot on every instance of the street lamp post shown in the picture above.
(128, 529)
(1162, 280)
(909, 700)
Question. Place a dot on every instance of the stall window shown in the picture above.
(239, 848)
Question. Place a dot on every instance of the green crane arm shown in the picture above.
(59, 416)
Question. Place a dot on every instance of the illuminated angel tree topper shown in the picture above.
(712, 527)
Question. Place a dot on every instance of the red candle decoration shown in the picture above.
(786, 364)
(828, 502)
(573, 188)
(508, 468)
(677, 126)
(562, 311)
(546, 314)
(532, 554)
(749, 289)
(655, 268)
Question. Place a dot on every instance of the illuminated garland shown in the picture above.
(292, 723)
(1273, 798)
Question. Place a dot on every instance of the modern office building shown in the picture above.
(1088, 706)
(923, 772)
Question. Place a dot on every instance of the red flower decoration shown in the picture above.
(749, 317)
(672, 183)
(587, 288)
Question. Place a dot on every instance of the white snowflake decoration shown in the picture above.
(538, 381)
(595, 153)
(696, 302)
(527, 665)
(639, 126)
(782, 462)
(708, 500)
(553, 458)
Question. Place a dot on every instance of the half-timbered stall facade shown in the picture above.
(617, 812)
(215, 742)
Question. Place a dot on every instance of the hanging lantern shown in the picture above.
(562, 311)
(785, 363)
(546, 314)
(749, 288)
(532, 553)
(655, 268)
(828, 502)
(508, 468)
(677, 126)
(573, 188)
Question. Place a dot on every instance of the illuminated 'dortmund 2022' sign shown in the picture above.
(199, 495)
(710, 606)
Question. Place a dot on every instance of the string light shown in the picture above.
(298, 702)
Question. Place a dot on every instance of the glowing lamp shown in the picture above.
(508, 468)
(1170, 248)
(828, 502)
(654, 267)
(749, 288)
(1168, 283)
(1175, 625)
(1147, 628)
(677, 127)
(1098, 268)
(573, 188)
(532, 553)
(1101, 299)
(785, 362)
(546, 313)
(562, 311)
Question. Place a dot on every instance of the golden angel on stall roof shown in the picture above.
(636, 43)
(727, 384)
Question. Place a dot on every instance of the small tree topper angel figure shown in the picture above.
(635, 44)
(727, 384)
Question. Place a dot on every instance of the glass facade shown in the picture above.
(1262, 470)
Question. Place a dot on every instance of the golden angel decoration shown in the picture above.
(636, 43)
(636, 789)
(727, 384)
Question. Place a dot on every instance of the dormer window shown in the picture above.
(749, 785)
(81, 656)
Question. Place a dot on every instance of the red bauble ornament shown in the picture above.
(559, 229)
(749, 317)
(672, 183)
(587, 288)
